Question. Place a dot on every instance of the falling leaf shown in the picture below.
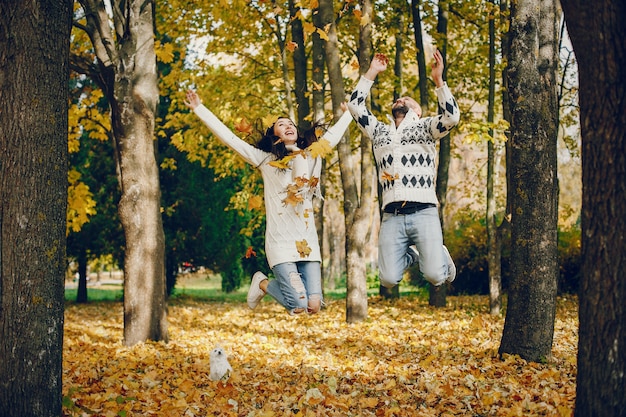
(320, 148)
(243, 126)
(388, 177)
(255, 202)
(294, 196)
(292, 46)
(303, 248)
(250, 253)
(282, 163)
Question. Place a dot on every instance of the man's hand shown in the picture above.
(378, 64)
(437, 69)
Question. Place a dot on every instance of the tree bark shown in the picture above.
(493, 243)
(358, 212)
(598, 34)
(437, 295)
(300, 68)
(34, 68)
(529, 324)
(127, 74)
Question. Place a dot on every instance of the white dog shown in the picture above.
(220, 368)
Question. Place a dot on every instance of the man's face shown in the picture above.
(403, 104)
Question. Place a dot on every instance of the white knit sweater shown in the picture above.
(285, 224)
(405, 155)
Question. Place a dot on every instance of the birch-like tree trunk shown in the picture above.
(598, 34)
(493, 242)
(34, 80)
(358, 209)
(529, 324)
(126, 71)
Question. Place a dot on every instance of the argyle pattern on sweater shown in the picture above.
(406, 155)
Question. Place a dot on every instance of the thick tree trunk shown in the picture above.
(529, 325)
(134, 109)
(34, 52)
(358, 212)
(598, 34)
(127, 74)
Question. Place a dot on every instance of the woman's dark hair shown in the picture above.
(268, 141)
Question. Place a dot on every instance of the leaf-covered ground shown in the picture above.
(407, 359)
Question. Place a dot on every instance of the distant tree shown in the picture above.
(34, 50)
(598, 34)
(529, 324)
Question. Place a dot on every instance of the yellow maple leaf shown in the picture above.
(303, 248)
(282, 163)
(320, 148)
(255, 202)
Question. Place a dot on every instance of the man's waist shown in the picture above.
(406, 207)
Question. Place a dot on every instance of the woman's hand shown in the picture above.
(192, 100)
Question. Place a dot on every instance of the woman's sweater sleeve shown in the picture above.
(249, 153)
(336, 131)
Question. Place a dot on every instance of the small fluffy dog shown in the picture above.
(220, 368)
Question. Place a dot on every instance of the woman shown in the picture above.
(290, 179)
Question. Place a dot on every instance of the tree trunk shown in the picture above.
(358, 212)
(437, 296)
(421, 56)
(529, 325)
(493, 247)
(81, 260)
(300, 68)
(127, 74)
(598, 34)
(34, 51)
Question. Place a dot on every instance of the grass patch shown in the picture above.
(208, 287)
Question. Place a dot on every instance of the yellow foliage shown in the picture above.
(80, 203)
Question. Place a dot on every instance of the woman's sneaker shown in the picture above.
(255, 293)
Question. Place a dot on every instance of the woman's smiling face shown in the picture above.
(286, 131)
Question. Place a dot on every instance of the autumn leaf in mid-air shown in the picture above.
(255, 202)
(320, 148)
(292, 46)
(303, 248)
(243, 126)
(294, 197)
(282, 163)
(313, 182)
(250, 253)
(388, 177)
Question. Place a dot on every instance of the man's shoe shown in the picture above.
(255, 293)
(451, 266)
(414, 254)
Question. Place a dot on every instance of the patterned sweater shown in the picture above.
(405, 156)
(285, 224)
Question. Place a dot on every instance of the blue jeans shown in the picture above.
(296, 284)
(397, 233)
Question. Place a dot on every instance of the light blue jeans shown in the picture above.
(397, 233)
(296, 283)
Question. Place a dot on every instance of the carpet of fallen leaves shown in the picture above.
(406, 359)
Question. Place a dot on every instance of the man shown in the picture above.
(405, 153)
